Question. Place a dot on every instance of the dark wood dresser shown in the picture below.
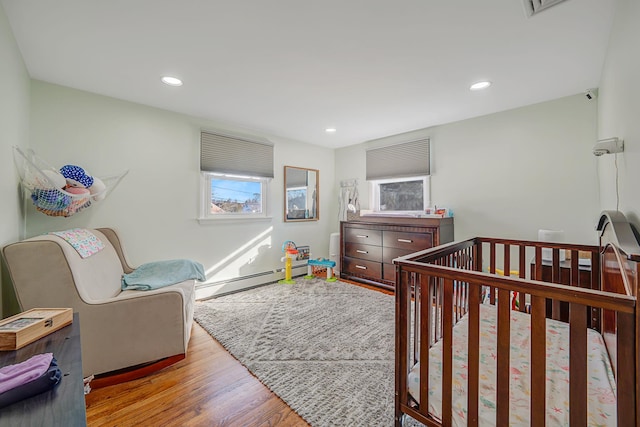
(369, 246)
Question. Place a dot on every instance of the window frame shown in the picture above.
(206, 179)
(374, 194)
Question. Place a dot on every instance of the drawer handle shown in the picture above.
(405, 241)
(362, 236)
(361, 267)
(361, 251)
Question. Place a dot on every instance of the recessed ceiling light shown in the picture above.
(480, 85)
(330, 130)
(171, 81)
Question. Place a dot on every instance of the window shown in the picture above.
(400, 195)
(235, 176)
(398, 177)
(234, 196)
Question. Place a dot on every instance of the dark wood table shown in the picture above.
(62, 406)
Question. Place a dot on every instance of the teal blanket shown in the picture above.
(157, 274)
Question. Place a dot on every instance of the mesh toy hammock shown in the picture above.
(36, 176)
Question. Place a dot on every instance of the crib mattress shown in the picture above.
(601, 406)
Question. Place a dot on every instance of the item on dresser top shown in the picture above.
(438, 212)
(158, 274)
(349, 203)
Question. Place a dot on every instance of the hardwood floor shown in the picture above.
(208, 388)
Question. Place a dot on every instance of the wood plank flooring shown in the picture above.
(208, 388)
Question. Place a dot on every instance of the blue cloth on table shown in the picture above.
(158, 274)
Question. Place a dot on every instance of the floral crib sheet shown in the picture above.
(601, 394)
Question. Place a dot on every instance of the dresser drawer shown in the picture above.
(389, 272)
(369, 245)
(412, 242)
(361, 267)
(358, 250)
(389, 254)
(364, 236)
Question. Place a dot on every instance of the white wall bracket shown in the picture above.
(608, 146)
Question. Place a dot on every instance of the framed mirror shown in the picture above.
(301, 194)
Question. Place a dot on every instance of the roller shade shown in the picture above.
(400, 160)
(296, 178)
(237, 156)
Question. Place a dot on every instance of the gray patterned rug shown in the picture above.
(327, 349)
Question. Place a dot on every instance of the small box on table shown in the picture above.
(31, 325)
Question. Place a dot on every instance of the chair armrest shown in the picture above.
(132, 329)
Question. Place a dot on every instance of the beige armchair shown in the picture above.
(119, 329)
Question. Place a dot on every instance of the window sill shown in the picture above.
(227, 219)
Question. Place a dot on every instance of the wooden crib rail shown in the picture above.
(422, 278)
(528, 258)
(437, 287)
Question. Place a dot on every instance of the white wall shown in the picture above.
(511, 173)
(14, 130)
(619, 112)
(156, 205)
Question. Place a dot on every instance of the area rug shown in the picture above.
(327, 349)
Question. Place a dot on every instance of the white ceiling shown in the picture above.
(291, 68)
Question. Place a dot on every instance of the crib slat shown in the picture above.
(425, 313)
(575, 271)
(447, 353)
(522, 254)
(538, 263)
(507, 260)
(492, 270)
(474, 355)
(403, 333)
(577, 364)
(477, 257)
(595, 284)
(626, 387)
(522, 297)
(503, 357)
(437, 331)
(538, 360)
(555, 278)
(457, 294)
(416, 315)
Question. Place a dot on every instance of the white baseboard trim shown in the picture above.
(215, 289)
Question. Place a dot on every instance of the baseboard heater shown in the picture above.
(235, 284)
